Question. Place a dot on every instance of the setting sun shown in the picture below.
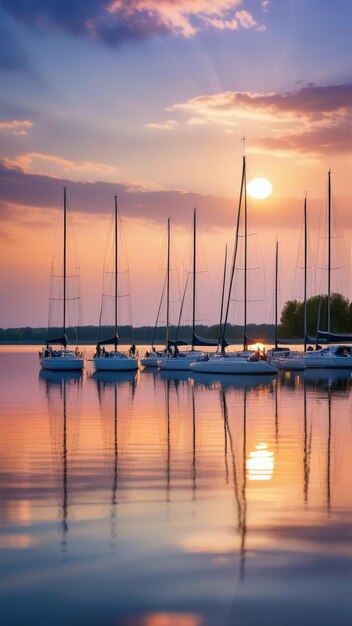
(259, 188)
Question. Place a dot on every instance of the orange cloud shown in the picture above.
(168, 125)
(16, 126)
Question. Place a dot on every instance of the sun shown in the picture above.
(259, 188)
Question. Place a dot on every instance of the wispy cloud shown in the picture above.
(168, 125)
(53, 165)
(17, 127)
(116, 20)
(314, 119)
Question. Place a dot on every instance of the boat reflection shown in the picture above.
(60, 377)
(177, 376)
(111, 378)
(238, 475)
(108, 384)
(335, 380)
(62, 392)
(212, 381)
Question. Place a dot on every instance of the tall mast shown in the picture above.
(115, 273)
(234, 258)
(276, 289)
(65, 261)
(305, 274)
(194, 274)
(245, 255)
(168, 285)
(329, 247)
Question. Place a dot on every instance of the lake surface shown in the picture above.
(159, 500)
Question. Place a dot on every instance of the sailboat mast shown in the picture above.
(116, 273)
(65, 262)
(329, 247)
(276, 290)
(234, 259)
(168, 285)
(305, 274)
(245, 255)
(194, 274)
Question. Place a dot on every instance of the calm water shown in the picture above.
(153, 500)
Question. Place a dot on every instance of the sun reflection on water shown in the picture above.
(260, 464)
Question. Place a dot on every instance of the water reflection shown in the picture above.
(181, 497)
(64, 431)
(107, 385)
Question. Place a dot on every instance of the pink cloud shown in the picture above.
(112, 21)
(17, 127)
(182, 16)
(168, 125)
(313, 119)
(38, 163)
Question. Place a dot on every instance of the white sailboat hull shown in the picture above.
(237, 365)
(290, 364)
(151, 361)
(64, 362)
(179, 363)
(115, 363)
(329, 362)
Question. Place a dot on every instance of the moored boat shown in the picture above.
(233, 365)
(62, 359)
(332, 357)
(114, 360)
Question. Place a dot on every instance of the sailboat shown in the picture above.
(151, 359)
(332, 356)
(114, 360)
(242, 362)
(182, 360)
(62, 359)
(284, 358)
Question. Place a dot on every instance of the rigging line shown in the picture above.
(62, 299)
(62, 275)
(248, 269)
(234, 256)
(159, 309)
(238, 300)
(223, 293)
(181, 308)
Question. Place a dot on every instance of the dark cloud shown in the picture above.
(88, 18)
(34, 190)
(317, 119)
(314, 141)
(312, 101)
(114, 21)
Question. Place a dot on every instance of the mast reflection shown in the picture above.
(239, 492)
(107, 384)
(56, 388)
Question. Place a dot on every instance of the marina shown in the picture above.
(176, 313)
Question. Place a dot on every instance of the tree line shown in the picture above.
(292, 316)
(143, 334)
(290, 327)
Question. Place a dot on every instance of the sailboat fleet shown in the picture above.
(170, 358)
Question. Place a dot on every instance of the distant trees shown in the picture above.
(144, 334)
(292, 314)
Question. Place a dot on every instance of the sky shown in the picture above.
(150, 100)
